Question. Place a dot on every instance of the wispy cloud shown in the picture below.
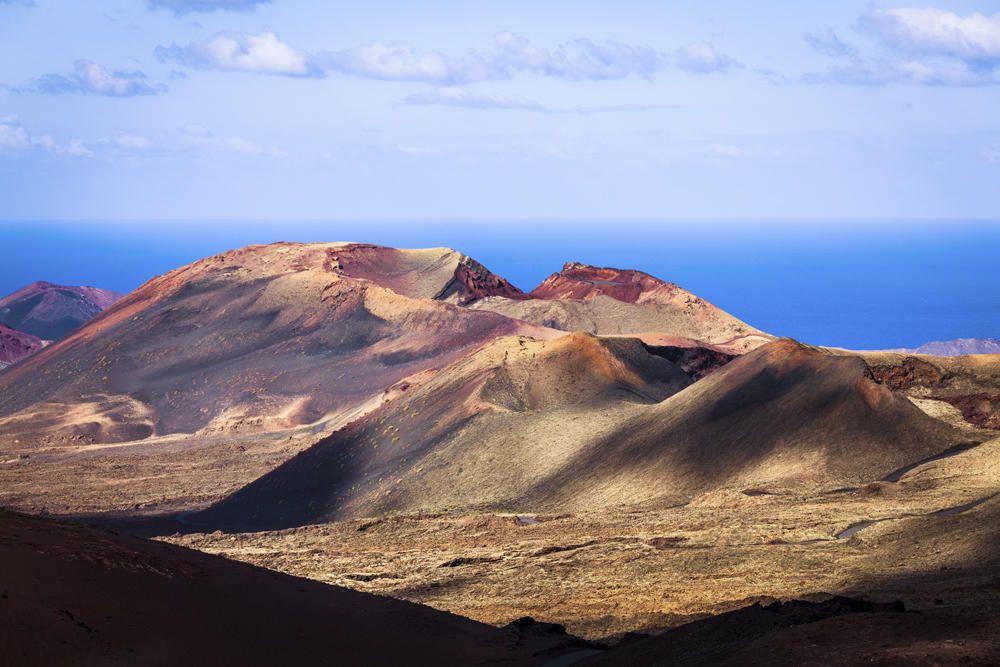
(703, 58)
(92, 78)
(182, 7)
(460, 97)
(831, 45)
(202, 137)
(456, 96)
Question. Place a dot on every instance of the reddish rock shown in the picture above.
(981, 409)
(911, 373)
(581, 281)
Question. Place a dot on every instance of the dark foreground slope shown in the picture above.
(74, 595)
(581, 423)
(51, 311)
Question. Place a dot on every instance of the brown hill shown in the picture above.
(607, 301)
(263, 338)
(51, 311)
(17, 345)
(74, 595)
(483, 431)
(582, 423)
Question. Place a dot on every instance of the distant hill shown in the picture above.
(51, 311)
(958, 347)
(16, 345)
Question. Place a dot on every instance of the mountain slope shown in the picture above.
(17, 345)
(607, 301)
(582, 423)
(51, 311)
(74, 595)
(264, 337)
(482, 431)
(206, 378)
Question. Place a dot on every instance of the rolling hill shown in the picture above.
(582, 423)
(50, 311)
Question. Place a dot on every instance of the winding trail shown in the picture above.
(856, 528)
(897, 475)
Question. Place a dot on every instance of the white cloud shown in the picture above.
(396, 62)
(15, 137)
(203, 137)
(925, 46)
(264, 53)
(972, 38)
(702, 58)
(579, 59)
(92, 78)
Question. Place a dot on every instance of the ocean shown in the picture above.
(855, 284)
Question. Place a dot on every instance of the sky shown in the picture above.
(482, 109)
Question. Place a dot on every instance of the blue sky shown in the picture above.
(289, 109)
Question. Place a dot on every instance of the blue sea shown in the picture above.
(857, 284)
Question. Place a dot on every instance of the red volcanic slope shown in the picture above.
(580, 281)
(52, 311)
(16, 345)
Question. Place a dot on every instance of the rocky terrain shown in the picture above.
(606, 453)
(50, 311)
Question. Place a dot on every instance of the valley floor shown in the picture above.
(933, 543)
